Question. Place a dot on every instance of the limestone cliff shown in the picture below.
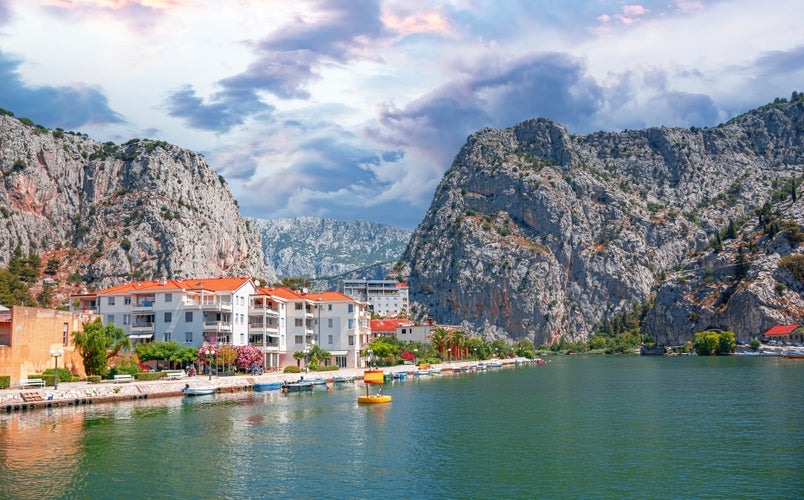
(539, 233)
(112, 213)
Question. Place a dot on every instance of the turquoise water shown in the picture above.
(577, 427)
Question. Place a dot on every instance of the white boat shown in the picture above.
(198, 391)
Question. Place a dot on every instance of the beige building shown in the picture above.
(28, 334)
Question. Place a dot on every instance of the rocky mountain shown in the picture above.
(109, 213)
(316, 248)
(535, 232)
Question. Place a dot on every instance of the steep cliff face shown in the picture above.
(711, 291)
(312, 247)
(535, 232)
(139, 210)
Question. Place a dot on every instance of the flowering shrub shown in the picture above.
(242, 356)
(248, 356)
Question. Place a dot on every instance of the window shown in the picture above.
(188, 316)
(329, 307)
(351, 324)
(351, 340)
(298, 306)
(125, 319)
(110, 318)
(64, 339)
(168, 317)
(127, 301)
(188, 337)
(351, 308)
(168, 297)
(329, 339)
(299, 322)
(298, 339)
(110, 301)
(329, 323)
(167, 336)
(340, 361)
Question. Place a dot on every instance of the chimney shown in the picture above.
(163, 281)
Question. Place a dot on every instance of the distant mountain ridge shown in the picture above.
(314, 248)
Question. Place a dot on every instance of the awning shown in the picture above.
(339, 353)
(146, 336)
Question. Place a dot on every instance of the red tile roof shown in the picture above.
(329, 297)
(208, 284)
(280, 292)
(388, 325)
(780, 330)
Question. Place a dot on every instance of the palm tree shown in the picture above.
(459, 339)
(440, 338)
(298, 356)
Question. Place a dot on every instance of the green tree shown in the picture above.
(706, 343)
(755, 344)
(727, 342)
(97, 343)
(316, 354)
(440, 337)
(741, 264)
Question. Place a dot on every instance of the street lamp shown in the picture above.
(371, 356)
(449, 354)
(55, 355)
(415, 356)
(209, 355)
(475, 350)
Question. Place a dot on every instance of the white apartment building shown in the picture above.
(188, 311)
(387, 298)
(340, 326)
(233, 311)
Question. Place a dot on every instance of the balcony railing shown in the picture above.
(142, 327)
(216, 305)
(217, 326)
(258, 309)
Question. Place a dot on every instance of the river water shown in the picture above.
(576, 427)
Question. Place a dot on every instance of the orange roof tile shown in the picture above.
(329, 297)
(387, 325)
(281, 292)
(780, 330)
(209, 284)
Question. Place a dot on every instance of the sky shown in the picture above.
(354, 109)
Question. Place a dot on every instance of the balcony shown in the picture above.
(262, 328)
(215, 304)
(144, 327)
(217, 326)
(145, 305)
(258, 309)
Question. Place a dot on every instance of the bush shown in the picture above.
(149, 375)
(5, 381)
(49, 379)
(755, 344)
(331, 368)
(93, 379)
(65, 375)
(292, 369)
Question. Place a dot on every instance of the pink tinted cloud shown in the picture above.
(634, 10)
(115, 4)
(420, 22)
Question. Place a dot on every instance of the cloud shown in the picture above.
(288, 60)
(226, 109)
(5, 13)
(63, 106)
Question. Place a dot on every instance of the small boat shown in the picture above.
(793, 354)
(539, 361)
(301, 385)
(318, 381)
(494, 364)
(400, 375)
(373, 377)
(198, 391)
(343, 380)
(271, 386)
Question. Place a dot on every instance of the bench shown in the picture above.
(123, 378)
(174, 374)
(32, 382)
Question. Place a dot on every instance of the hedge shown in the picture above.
(292, 369)
(5, 381)
(93, 378)
(149, 375)
(330, 368)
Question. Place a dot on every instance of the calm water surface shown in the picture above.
(577, 427)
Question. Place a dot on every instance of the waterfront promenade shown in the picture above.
(78, 393)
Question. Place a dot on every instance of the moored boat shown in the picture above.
(270, 386)
(793, 354)
(343, 380)
(198, 391)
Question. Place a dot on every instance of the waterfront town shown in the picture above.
(210, 312)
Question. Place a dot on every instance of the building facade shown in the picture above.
(387, 298)
(29, 334)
